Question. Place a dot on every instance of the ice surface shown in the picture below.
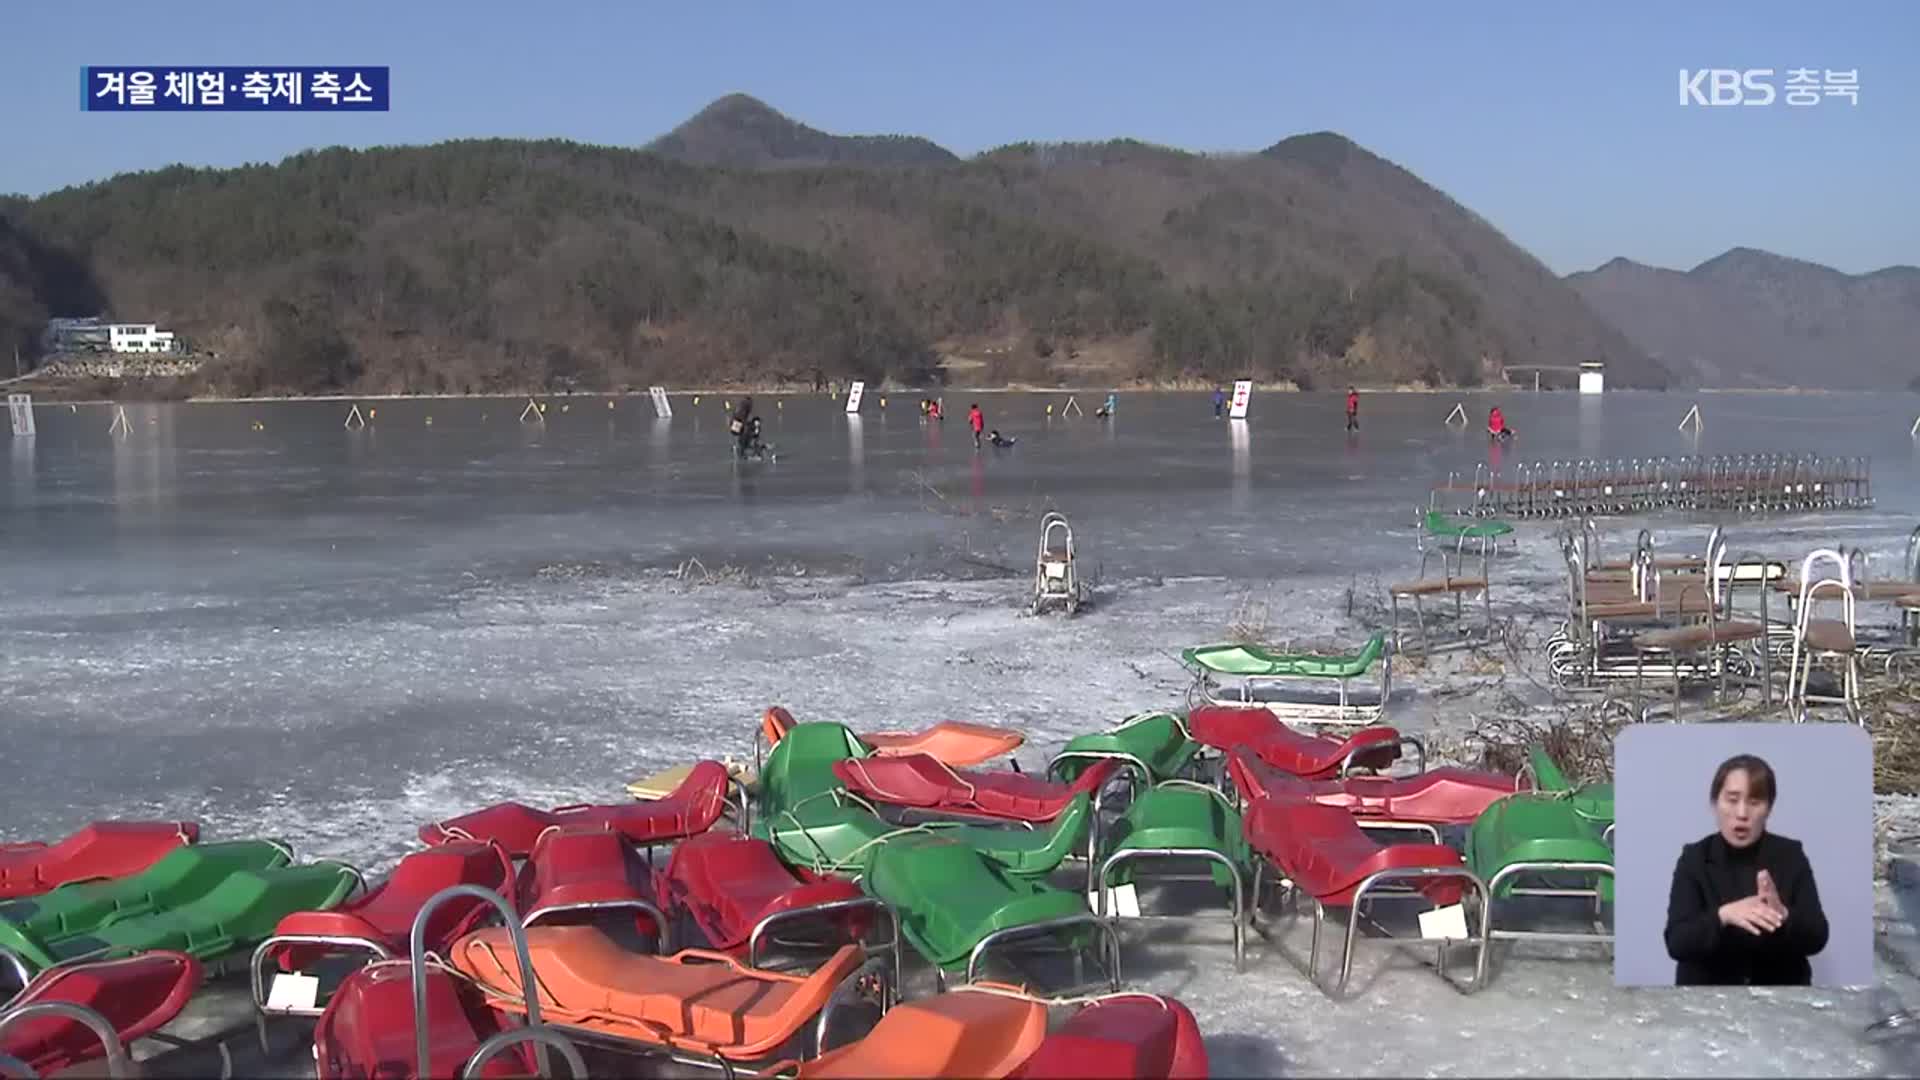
(334, 637)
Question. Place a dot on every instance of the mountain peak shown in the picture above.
(1326, 152)
(741, 131)
(739, 102)
(1747, 260)
(1752, 318)
(1618, 266)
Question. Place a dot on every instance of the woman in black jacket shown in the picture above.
(740, 426)
(1743, 910)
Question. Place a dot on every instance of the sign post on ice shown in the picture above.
(1242, 391)
(854, 394)
(20, 407)
(662, 408)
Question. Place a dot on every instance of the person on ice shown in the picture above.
(1353, 409)
(739, 425)
(1497, 425)
(976, 420)
(999, 440)
(1107, 410)
(1219, 401)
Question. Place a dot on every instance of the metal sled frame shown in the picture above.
(1103, 927)
(763, 932)
(1269, 692)
(1742, 483)
(1582, 657)
(1379, 886)
(534, 1031)
(1055, 580)
(1800, 667)
(1447, 584)
(1153, 856)
(118, 1063)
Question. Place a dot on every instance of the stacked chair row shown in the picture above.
(1329, 819)
(106, 935)
(769, 935)
(1732, 624)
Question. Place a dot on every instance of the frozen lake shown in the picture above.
(333, 635)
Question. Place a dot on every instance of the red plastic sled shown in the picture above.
(1326, 854)
(137, 996)
(1313, 757)
(384, 915)
(1443, 796)
(729, 884)
(690, 810)
(923, 782)
(584, 872)
(104, 849)
(1124, 1037)
(367, 1031)
(954, 743)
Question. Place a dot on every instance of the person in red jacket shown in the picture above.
(1353, 409)
(1497, 425)
(976, 420)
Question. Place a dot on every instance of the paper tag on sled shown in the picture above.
(1122, 900)
(290, 992)
(1448, 922)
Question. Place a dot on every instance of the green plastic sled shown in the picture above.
(1154, 742)
(236, 914)
(1533, 828)
(1178, 815)
(800, 767)
(1439, 524)
(949, 897)
(830, 835)
(1029, 852)
(176, 879)
(1591, 801)
(1255, 662)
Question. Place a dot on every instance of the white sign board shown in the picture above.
(20, 408)
(1593, 382)
(662, 408)
(293, 993)
(1242, 390)
(854, 394)
(1446, 923)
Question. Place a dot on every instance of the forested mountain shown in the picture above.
(1754, 319)
(505, 265)
(740, 131)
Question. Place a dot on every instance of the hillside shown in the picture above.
(35, 282)
(504, 265)
(1750, 319)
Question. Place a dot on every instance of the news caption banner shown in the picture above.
(234, 89)
(1757, 86)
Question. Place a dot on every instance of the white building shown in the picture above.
(138, 338)
(1593, 378)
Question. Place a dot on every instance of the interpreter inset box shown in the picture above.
(1743, 855)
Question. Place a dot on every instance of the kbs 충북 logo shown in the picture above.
(1757, 86)
(234, 89)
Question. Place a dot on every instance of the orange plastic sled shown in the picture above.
(971, 1032)
(960, 745)
(697, 1000)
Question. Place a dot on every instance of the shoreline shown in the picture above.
(51, 396)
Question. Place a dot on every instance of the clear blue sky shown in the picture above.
(1560, 125)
